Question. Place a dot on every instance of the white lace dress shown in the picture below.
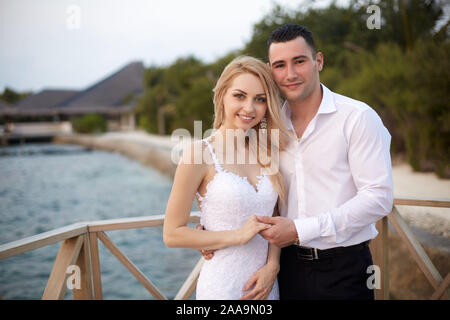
(228, 203)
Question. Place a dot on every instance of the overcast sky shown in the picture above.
(72, 44)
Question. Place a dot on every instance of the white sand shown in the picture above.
(408, 183)
(141, 137)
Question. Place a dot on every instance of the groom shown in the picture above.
(338, 176)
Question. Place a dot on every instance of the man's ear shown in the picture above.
(319, 60)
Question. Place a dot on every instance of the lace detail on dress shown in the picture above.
(228, 202)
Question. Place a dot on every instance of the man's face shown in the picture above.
(294, 68)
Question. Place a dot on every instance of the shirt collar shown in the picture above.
(327, 105)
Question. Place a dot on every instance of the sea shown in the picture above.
(45, 186)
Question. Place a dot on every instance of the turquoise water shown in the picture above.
(45, 186)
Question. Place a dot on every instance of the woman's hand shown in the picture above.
(250, 229)
(262, 282)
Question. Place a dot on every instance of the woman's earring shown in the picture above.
(263, 125)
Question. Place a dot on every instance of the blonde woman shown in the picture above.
(232, 193)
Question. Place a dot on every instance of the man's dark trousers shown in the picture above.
(338, 276)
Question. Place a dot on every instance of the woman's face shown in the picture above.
(245, 102)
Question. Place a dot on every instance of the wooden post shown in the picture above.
(84, 263)
(380, 257)
(95, 262)
(4, 140)
(67, 255)
(384, 263)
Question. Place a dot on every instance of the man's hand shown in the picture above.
(207, 254)
(282, 233)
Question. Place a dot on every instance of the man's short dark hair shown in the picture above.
(289, 32)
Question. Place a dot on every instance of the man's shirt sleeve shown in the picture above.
(370, 165)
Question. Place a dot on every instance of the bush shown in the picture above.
(89, 123)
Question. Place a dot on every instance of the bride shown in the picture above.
(232, 193)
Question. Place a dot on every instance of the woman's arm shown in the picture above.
(188, 177)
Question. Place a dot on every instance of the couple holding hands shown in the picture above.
(301, 231)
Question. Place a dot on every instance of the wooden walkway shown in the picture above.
(33, 131)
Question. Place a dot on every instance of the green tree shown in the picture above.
(428, 122)
(195, 104)
(12, 97)
(186, 85)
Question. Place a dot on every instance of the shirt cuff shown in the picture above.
(307, 229)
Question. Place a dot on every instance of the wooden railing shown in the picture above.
(379, 249)
(79, 246)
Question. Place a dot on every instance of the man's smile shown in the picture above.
(292, 85)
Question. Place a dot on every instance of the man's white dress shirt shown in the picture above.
(338, 175)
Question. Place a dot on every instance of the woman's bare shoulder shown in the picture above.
(195, 157)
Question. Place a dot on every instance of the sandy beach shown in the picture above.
(408, 183)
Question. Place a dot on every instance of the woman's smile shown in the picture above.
(245, 119)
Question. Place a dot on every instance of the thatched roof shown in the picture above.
(112, 91)
(47, 98)
(115, 94)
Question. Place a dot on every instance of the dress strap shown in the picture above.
(216, 162)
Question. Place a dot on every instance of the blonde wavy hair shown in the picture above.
(246, 64)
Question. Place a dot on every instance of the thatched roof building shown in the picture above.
(114, 95)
